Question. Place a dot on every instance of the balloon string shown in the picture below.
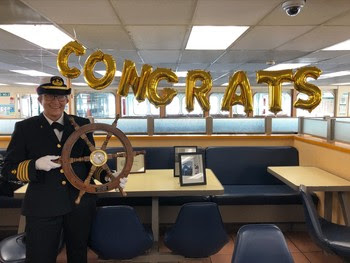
(75, 34)
(41, 59)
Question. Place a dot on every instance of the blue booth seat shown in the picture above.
(263, 243)
(117, 233)
(198, 231)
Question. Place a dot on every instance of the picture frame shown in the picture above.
(138, 165)
(192, 169)
(177, 151)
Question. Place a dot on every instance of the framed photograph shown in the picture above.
(177, 151)
(138, 165)
(192, 169)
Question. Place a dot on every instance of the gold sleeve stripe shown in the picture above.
(26, 171)
(19, 171)
(22, 171)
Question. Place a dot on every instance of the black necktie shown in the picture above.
(58, 126)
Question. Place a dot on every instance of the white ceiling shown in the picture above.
(156, 32)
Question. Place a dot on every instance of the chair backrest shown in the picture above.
(13, 249)
(263, 243)
(312, 219)
(198, 231)
(117, 233)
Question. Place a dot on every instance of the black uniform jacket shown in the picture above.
(48, 193)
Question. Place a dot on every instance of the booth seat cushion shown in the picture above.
(257, 195)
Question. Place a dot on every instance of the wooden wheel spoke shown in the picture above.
(83, 135)
(115, 155)
(79, 159)
(91, 172)
(109, 134)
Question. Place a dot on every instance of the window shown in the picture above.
(261, 104)
(132, 107)
(215, 100)
(29, 105)
(98, 105)
(174, 107)
(325, 108)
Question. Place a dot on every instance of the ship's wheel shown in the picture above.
(98, 158)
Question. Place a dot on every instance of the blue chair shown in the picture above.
(198, 231)
(331, 237)
(117, 233)
(13, 248)
(263, 243)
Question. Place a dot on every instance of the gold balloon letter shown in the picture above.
(106, 80)
(311, 90)
(63, 57)
(200, 93)
(130, 78)
(168, 94)
(274, 80)
(239, 78)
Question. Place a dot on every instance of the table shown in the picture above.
(316, 179)
(155, 183)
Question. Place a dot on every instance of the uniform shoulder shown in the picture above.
(28, 121)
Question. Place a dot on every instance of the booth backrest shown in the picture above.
(156, 157)
(248, 165)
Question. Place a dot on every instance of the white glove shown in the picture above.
(123, 182)
(45, 163)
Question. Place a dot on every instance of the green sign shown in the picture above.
(4, 94)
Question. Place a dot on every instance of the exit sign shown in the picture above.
(4, 94)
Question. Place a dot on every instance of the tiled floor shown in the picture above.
(300, 245)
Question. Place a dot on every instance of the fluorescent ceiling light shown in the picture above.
(103, 72)
(27, 83)
(335, 74)
(79, 84)
(46, 36)
(345, 45)
(179, 84)
(341, 84)
(33, 73)
(287, 66)
(224, 84)
(181, 74)
(1, 84)
(214, 37)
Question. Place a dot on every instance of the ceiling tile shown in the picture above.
(101, 36)
(154, 12)
(269, 37)
(233, 13)
(159, 56)
(76, 12)
(16, 12)
(315, 12)
(320, 37)
(157, 37)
